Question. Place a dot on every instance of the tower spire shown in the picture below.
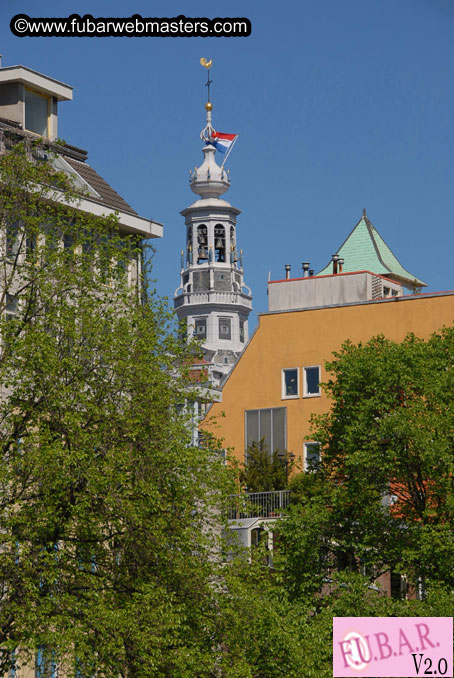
(207, 133)
(212, 298)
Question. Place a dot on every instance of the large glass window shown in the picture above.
(290, 385)
(311, 381)
(36, 113)
(269, 424)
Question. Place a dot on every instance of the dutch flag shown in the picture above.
(224, 142)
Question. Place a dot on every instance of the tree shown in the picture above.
(265, 471)
(107, 515)
(387, 462)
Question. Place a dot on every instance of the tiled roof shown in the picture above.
(108, 196)
(75, 157)
(365, 249)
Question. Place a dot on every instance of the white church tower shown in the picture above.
(212, 298)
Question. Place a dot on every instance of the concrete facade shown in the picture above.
(329, 290)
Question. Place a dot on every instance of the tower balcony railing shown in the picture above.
(258, 505)
(213, 297)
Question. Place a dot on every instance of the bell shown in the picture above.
(219, 243)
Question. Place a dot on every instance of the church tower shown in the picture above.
(212, 298)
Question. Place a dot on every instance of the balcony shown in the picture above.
(258, 505)
(213, 297)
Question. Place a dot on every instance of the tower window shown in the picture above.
(219, 243)
(225, 328)
(201, 328)
(37, 113)
(242, 331)
(202, 243)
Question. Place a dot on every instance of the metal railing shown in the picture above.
(258, 504)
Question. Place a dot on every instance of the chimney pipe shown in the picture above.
(341, 265)
(311, 272)
(305, 266)
(287, 271)
(335, 259)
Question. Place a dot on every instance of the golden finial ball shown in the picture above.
(209, 106)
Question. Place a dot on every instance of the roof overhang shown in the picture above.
(146, 228)
(37, 81)
(132, 223)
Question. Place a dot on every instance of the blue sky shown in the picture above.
(340, 105)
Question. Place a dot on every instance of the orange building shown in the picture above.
(274, 387)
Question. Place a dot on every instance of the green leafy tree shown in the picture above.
(386, 481)
(108, 518)
(263, 471)
(381, 499)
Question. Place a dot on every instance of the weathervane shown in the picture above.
(207, 133)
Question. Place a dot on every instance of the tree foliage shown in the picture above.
(109, 519)
(384, 496)
(106, 514)
(265, 471)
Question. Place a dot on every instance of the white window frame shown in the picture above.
(305, 446)
(284, 396)
(305, 393)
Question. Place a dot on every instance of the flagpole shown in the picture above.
(230, 149)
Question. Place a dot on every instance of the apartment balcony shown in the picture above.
(258, 505)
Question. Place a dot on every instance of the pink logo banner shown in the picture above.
(392, 647)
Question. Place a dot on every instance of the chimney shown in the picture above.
(335, 259)
(341, 265)
(287, 271)
(305, 266)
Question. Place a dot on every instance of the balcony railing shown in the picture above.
(213, 297)
(258, 504)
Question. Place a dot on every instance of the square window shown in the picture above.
(311, 381)
(290, 386)
(311, 456)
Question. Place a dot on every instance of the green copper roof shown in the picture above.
(365, 250)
